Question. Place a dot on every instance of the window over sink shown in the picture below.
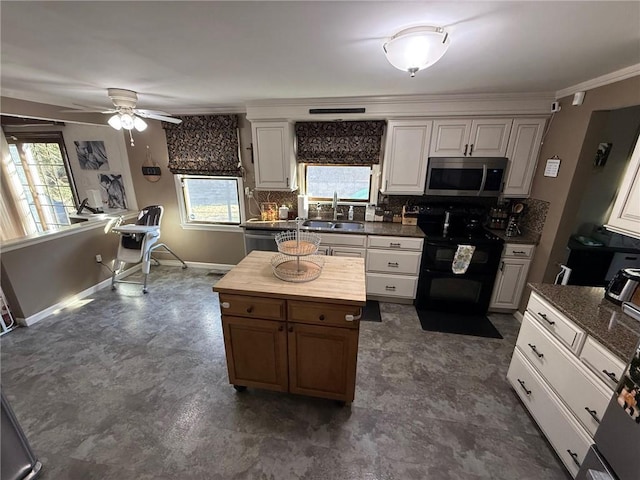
(353, 183)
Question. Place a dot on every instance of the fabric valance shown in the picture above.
(204, 145)
(356, 143)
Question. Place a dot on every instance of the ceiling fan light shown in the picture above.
(115, 122)
(416, 48)
(139, 124)
(127, 121)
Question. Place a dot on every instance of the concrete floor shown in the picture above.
(135, 386)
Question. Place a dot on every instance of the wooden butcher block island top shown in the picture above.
(342, 280)
(300, 338)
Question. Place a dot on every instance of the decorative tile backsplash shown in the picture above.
(535, 215)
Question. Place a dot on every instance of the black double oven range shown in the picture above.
(447, 226)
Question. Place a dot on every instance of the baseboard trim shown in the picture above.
(36, 317)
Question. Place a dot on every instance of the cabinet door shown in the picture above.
(348, 252)
(405, 161)
(489, 137)
(523, 150)
(625, 216)
(510, 282)
(256, 352)
(322, 361)
(450, 138)
(273, 156)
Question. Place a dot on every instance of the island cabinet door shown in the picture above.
(256, 352)
(322, 361)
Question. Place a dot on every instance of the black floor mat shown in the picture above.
(476, 325)
(371, 312)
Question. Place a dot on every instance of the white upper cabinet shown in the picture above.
(404, 170)
(625, 216)
(274, 159)
(484, 137)
(523, 150)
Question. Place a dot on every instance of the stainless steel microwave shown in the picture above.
(465, 176)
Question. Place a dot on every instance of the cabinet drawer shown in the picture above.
(386, 261)
(562, 328)
(391, 285)
(347, 252)
(567, 437)
(324, 314)
(254, 307)
(401, 243)
(518, 251)
(343, 239)
(602, 362)
(581, 391)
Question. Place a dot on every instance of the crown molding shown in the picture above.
(601, 81)
(405, 106)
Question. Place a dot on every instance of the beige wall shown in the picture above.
(38, 276)
(573, 137)
(191, 245)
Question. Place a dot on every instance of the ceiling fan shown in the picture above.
(125, 114)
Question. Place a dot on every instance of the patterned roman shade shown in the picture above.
(204, 145)
(354, 143)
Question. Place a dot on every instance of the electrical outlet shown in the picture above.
(98, 258)
(248, 192)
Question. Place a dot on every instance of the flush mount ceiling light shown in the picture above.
(416, 48)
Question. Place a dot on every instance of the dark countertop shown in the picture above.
(575, 245)
(370, 228)
(530, 238)
(600, 318)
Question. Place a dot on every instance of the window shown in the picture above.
(41, 187)
(208, 200)
(351, 183)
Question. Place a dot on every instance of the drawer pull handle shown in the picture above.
(574, 457)
(321, 317)
(351, 318)
(393, 264)
(466, 147)
(593, 414)
(395, 245)
(519, 252)
(390, 287)
(291, 329)
(524, 387)
(250, 309)
(535, 350)
(544, 316)
(611, 375)
(225, 304)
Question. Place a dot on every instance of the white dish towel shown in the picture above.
(462, 258)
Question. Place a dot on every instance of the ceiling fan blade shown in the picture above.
(162, 118)
(88, 111)
(144, 111)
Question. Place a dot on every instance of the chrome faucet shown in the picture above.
(335, 206)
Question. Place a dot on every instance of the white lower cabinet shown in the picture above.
(343, 245)
(568, 438)
(393, 266)
(554, 370)
(511, 277)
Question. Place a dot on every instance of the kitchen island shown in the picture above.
(293, 337)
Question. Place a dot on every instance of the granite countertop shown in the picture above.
(530, 238)
(600, 318)
(370, 228)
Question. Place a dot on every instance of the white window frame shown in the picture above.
(186, 224)
(373, 191)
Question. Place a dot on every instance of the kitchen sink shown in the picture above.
(318, 224)
(329, 225)
(351, 226)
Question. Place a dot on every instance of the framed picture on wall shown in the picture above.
(602, 154)
(92, 155)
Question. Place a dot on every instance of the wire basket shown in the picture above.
(297, 269)
(297, 243)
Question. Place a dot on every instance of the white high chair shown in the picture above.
(138, 241)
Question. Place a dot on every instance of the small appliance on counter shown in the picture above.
(623, 287)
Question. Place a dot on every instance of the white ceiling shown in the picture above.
(194, 57)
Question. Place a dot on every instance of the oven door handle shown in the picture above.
(484, 179)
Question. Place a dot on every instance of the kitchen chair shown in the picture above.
(137, 242)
